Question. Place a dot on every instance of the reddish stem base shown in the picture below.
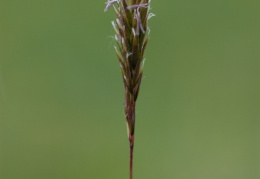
(131, 141)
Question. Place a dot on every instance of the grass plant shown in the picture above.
(132, 34)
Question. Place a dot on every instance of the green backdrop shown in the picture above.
(61, 94)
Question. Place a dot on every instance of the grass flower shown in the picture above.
(131, 34)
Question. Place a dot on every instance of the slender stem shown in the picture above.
(130, 118)
(131, 140)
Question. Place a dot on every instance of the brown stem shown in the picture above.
(131, 141)
(130, 117)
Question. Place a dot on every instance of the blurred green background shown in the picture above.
(61, 94)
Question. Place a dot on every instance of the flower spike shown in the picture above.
(132, 34)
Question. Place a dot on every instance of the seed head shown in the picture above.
(131, 35)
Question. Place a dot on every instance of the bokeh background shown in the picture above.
(61, 94)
